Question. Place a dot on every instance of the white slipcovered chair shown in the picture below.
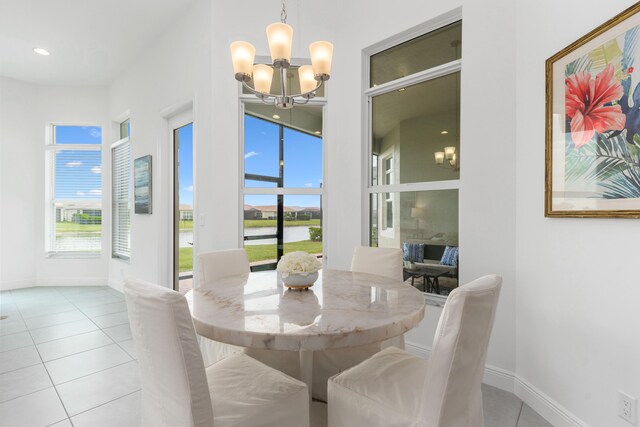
(213, 266)
(385, 262)
(395, 388)
(177, 390)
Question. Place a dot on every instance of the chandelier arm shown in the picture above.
(256, 93)
(309, 94)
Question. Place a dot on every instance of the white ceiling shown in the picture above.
(91, 42)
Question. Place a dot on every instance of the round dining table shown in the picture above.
(342, 309)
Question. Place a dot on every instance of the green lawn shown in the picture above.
(252, 223)
(185, 259)
(72, 227)
(256, 252)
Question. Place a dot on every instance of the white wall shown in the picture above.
(26, 112)
(18, 183)
(577, 304)
(173, 72)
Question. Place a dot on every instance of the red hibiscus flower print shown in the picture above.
(585, 99)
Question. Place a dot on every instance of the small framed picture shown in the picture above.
(142, 185)
(592, 163)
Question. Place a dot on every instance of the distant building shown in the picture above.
(85, 212)
(186, 212)
(251, 213)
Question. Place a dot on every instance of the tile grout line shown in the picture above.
(519, 414)
(105, 403)
(64, 408)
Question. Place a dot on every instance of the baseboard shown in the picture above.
(548, 408)
(116, 284)
(17, 284)
(544, 405)
(494, 376)
(72, 281)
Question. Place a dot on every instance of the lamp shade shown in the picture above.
(242, 55)
(439, 156)
(449, 152)
(321, 55)
(417, 212)
(262, 76)
(307, 82)
(280, 36)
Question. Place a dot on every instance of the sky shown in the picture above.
(302, 161)
(78, 172)
(185, 159)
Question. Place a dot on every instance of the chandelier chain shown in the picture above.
(283, 14)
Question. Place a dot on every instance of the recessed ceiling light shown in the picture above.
(275, 116)
(402, 89)
(317, 132)
(444, 132)
(41, 51)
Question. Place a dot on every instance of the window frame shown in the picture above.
(245, 99)
(368, 93)
(50, 151)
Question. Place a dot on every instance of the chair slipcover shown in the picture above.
(213, 266)
(395, 388)
(385, 262)
(177, 391)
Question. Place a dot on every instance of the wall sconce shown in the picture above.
(449, 154)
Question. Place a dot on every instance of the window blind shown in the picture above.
(76, 205)
(120, 200)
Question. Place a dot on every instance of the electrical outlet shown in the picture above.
(628, 407)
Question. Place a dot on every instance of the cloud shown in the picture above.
(250, 154)
(309, 184)
(95, 132)
(189, 188)
(96, 169)
(97, 192)
(73, 164)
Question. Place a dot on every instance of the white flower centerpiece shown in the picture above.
(299, 270)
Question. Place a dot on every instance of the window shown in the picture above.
(282, 182)
(414, 108)
(120, 194)
(74, 190)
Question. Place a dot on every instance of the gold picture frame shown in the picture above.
(592, 157)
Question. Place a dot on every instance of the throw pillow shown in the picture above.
(450, 256)
(413, 252)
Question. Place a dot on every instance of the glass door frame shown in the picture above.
(174, 123)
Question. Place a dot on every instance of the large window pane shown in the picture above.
(427, 51)
(409, 126)
(260, 228)
(303, 224)
(261, 147)
(425, 224)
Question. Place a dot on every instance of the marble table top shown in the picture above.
(342, 309)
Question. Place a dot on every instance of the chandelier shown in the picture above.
(279, 36)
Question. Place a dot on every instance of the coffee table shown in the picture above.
(430, 276)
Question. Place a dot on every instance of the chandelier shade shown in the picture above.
(280, 39)
(242, 54)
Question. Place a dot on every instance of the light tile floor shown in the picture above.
(67, 359)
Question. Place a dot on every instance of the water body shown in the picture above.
(291, 234)
(91, 242)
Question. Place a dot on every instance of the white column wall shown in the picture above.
(170, 74)
(26, 112)
(577, 303)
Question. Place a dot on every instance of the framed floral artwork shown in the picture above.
(592, 160)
